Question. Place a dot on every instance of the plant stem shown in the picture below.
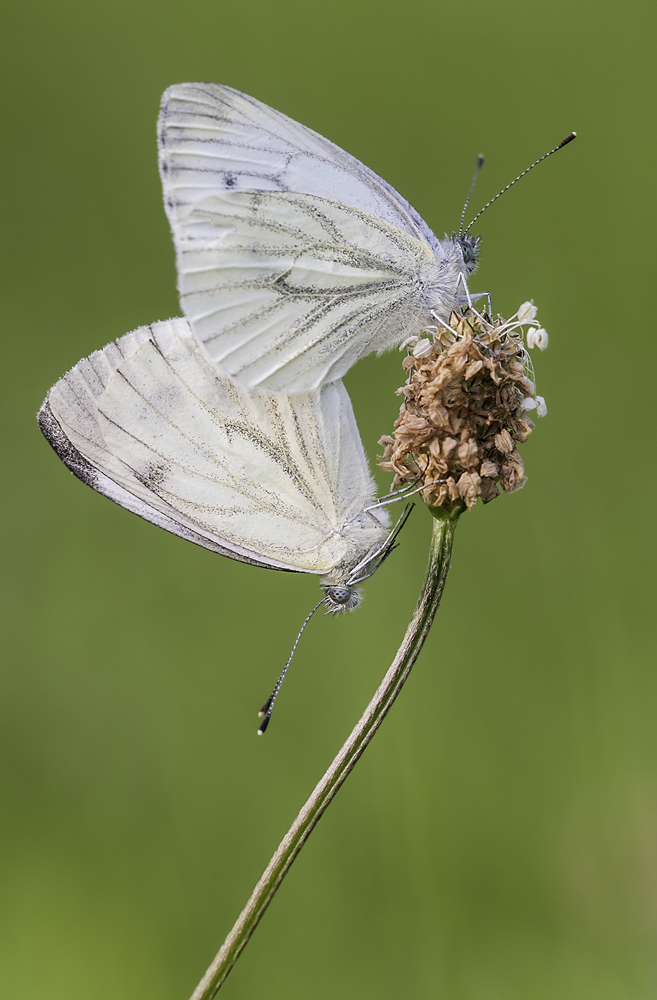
(444, 526)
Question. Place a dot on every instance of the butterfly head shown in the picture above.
(469, 247)
(342, 598)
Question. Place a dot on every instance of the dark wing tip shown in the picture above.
(60, 444)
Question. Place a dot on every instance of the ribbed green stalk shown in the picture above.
(439, 556)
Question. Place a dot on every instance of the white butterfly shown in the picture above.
(232, 428)
(294, 259)
(273, 480)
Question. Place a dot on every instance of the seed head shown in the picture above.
(465, 411)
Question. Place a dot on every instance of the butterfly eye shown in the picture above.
(341, 598)
(470, 249)
(340, 595)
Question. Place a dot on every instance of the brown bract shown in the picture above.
(462, 417)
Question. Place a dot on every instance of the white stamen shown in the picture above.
(537, 338)
(541, 409)
(527, 312)
(527, 404)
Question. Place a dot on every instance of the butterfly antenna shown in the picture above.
(268, 707)
(480, 163)
(569, 138)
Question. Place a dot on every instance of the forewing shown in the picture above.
(294, 260)
(214, 138)
(267, 479)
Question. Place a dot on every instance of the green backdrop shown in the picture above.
(498, 841)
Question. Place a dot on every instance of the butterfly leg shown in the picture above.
(470, 296)
(479, 295)
(383, 501)
(402, 494)
(381, 553)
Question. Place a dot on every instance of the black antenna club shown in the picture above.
(564, 142)
(268, 707)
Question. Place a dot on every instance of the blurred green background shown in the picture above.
(498, 841)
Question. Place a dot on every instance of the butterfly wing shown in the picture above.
(272, 480)
(287, 292)
(215, 138)
(294, 259)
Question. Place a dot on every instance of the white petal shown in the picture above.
(541, 409)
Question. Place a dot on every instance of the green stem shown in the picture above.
(441, 547)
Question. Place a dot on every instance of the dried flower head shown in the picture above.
(465, 409)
